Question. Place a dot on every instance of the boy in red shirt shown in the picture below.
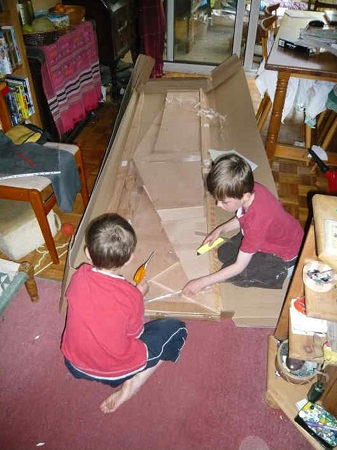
(269, 240)
(105, 338)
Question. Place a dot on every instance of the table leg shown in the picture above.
(276, 115)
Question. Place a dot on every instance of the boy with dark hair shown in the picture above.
(266, 248)
(105, 338)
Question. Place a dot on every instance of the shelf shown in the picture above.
(4, 17)
(10, 17)
(281, 393)
(284, 395)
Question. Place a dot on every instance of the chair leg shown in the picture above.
(84, 189)
(329, 134)
(326, 129)
(41, 216)
(308, 136)
(321, 117)
(263, 111)
(30, 284)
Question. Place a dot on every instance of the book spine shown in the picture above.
(13, 111)
(27, 92)
(10, 46)
(5, 63)
(29, 96)
(21, 102)
(15, 42)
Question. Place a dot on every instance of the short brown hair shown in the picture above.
(110, 240)
(230, 176)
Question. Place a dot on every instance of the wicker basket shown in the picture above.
(42, 38)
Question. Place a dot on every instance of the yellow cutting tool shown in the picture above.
(141, 271)
(207, 247)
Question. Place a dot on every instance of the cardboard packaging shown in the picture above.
(324, 305)
(325, 218)
(153, 175)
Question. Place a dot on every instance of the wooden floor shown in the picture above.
(295, 181)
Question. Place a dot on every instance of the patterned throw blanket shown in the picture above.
(71, 76)
(57, 165)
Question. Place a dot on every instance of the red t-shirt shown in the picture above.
(268, 228)
(105, 317)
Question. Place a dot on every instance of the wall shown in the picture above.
(43, 4)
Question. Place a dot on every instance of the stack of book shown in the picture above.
(19, 99)
(10, 57)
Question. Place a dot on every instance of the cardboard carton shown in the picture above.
(153, 175)
(325, 217)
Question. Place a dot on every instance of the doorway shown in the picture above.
(206, 32)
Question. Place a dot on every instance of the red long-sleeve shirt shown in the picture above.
(105, 317)
(267, 227)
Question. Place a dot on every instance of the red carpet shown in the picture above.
(212, 399)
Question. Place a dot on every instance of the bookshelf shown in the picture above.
(281, 393)
(10, 17)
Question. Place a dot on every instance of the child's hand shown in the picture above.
(213, 236)
(143, 286)
(194, 286)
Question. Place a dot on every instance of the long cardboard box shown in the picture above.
(153, 175)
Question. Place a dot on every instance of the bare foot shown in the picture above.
(128, 389)
(116, 399)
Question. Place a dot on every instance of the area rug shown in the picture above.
(213, 398)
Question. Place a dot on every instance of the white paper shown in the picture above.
(302, 324)
(320, 152)
(217, 153)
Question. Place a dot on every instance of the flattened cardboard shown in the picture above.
(144, 181)
(182, 105)
(324, 208)
(306, 347)
(321, 305)
(235, 128)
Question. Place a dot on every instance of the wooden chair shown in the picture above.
(326, 125)
(39, 192)
(270, 11)
(267, 26)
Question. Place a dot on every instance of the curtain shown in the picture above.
(152, 32)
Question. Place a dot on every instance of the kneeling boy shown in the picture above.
(269, 239)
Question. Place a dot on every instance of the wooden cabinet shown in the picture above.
(281, 393)
(116, 23)
(10, 17)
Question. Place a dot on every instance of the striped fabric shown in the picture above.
(71, 76)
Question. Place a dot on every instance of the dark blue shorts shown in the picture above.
(164, 338)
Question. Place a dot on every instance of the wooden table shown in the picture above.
(322, 66)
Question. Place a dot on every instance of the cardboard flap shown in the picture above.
(141, 71)
(221, 73)
(325, 217)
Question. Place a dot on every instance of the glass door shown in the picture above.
(206, 32)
